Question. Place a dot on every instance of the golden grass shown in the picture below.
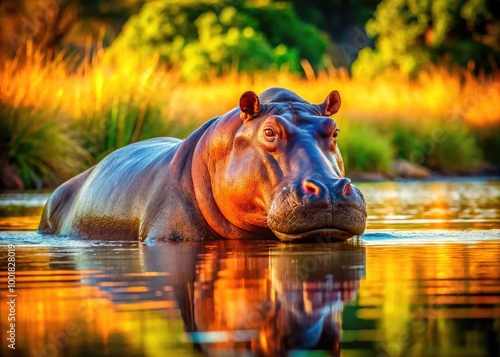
(434, 94)
(88, 92)
(103, 103)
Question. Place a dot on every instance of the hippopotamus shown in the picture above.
(270, 168)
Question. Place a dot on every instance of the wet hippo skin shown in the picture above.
(268, 168)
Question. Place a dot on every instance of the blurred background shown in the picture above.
(419, 80)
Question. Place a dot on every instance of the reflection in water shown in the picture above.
(404, 290)
(21, 211)
(225, 298)
(229, 297)
(290, 299)
(441, 300)
(267, 300)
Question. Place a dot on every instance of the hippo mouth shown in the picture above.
(323, 214)
(320, 234)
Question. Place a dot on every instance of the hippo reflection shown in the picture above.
(269, 168)
(236, 298)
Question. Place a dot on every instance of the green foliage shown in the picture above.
(342, 21)
(125, 119)
(118, 125)
(37, 144)
(364, 148)
(206, 38)
(488, 139)
(411, 34)
(285, 32)
(439, 146)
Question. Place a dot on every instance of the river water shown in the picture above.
(422, 281)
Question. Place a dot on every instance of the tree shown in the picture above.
(204, 38)
(410, 34)
(43, 23)
(344, 22)
(47, 23)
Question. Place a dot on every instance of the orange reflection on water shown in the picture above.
(236, 299)
(56, 306)
(287, 299)
(436, 205)
(29, 223)
(62, 312)
(229, 297)
(428, 291)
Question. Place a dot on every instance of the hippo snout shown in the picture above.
(313, 208)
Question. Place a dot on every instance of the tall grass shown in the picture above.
(38, 146)
(116, 104)
(437, 114)
(57, 118)
(36, 141)
(435, 93)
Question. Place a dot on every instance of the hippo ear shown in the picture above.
(331, 105)
(249, 105)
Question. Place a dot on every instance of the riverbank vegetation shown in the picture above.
(57, 121)
(63, 111)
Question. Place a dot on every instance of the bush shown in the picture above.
(117, 104)
(36, 149)
(363, 148)
(37, 144)
(205, 39)
(411, 35)
(488, 139)
(439, 145)
(56, 122)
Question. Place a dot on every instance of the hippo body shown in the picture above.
(268, 168)
(120, 198)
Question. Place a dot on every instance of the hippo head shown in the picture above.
(283, 170)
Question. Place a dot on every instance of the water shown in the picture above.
(423, 281)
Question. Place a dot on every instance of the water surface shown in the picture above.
(422, 281)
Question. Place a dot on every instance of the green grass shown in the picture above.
(37, 144)
(488, 139)
(441, 145)
(128, 123)
(117, 104)
(56, 120)
(121, 123)
(364, 148)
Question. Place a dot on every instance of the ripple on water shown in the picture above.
(34, 238)
(23, 199)
(385, 237)
(409, 237)
(403, 290)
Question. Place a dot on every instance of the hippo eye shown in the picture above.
(269, 133)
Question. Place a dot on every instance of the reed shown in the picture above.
(435, 93)
(36, 141)
(63, 114)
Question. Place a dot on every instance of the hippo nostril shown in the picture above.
(309, 188)
(346, 186)
(347, 190)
